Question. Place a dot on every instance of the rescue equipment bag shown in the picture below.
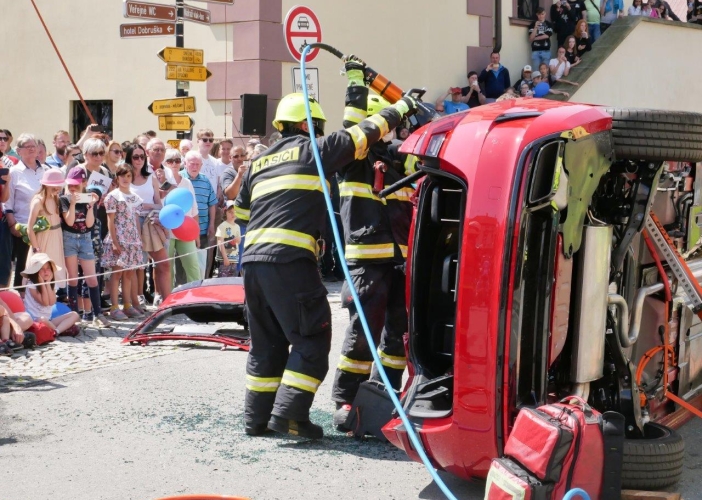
(371, 410)
(560, 446)
(507, 480)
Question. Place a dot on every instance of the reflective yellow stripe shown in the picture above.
(404, 194)
(403, 249)
(242, 213)
(381, 251)
(360, 141)
(282, 236)
(283, 182)
(381, 123)
(358, 189)
(354, 366)
(397, 362)
(410, 164)
(262, 384)
(301, 381)
(354, 115)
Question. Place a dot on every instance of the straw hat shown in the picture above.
(36, 262)
(53, 178)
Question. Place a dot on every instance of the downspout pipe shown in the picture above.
(498, 26)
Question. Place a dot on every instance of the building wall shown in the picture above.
(645, 72)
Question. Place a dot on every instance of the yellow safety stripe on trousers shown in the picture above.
(403, 249)
(360, 141)
(380, 251)
(381, 123)
(301, 381)
(283, 182)
(358, 189)
(262, 384)
(354, 366)
(396, 362)
(282, 236)
(404, 194)
(410, 164)
(242, 213)
(354, 115)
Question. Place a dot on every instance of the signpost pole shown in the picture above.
(180, 43)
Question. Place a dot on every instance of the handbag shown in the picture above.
(40, 225)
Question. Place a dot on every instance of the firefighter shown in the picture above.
(376, 232)
(281, 202)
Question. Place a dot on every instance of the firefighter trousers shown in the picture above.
(381, 289)
(290, 326)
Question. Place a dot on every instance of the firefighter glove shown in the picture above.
(355, 69)
(406, 106)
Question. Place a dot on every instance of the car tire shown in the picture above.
(654, 462)
(655, 135)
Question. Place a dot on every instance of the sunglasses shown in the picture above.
(173, 160)
(207, 139)
(138, 157)
(3, 138)
(116, 151)
(158, 150)
(95, 154)
(238, 156)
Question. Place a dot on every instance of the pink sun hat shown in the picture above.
(53, 178)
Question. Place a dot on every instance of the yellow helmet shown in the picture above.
(376, 104)
(291, 109)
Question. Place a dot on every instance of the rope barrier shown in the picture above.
(110, 272)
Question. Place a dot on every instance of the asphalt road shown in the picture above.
(172, 425)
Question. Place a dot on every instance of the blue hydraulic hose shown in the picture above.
(357, 302)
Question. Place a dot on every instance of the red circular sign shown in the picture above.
(302, 27)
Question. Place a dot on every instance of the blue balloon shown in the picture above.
(59, 309)
(181, 197)
(541, 89)
(171, 216)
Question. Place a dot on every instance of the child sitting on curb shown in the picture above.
(228, 237)
(40, 296)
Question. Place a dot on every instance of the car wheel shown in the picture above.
(654, 135)
(654, 462)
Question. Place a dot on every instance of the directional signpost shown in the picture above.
(185, 56)
(196, 15)
(176, 105)
(230, 2)
(144, 10)
(182, 123)
(187, 73)
(146, 29)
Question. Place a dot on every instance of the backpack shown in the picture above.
(43, 333)
(555, 448)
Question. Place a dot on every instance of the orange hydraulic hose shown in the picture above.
(666, 347)
(82, 101)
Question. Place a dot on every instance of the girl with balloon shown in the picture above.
(180, 214)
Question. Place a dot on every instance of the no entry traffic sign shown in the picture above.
(302, 27)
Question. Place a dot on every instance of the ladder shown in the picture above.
(677, 264)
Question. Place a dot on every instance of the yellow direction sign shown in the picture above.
(184, 56)
(175, 122)
(188, 73)
(176, 105)
(174, 143)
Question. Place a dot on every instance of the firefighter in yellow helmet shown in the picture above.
(281, 202)
(376, 232)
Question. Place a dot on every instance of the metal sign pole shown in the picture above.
(180, 43)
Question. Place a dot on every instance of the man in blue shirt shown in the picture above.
(206, 200)
(61, 142)
(454, 105)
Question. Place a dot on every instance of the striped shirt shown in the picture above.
(204, 196)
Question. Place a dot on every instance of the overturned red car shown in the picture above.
(555, 250)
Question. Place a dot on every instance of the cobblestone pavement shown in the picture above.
(92, 349)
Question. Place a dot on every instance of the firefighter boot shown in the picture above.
(340, 416)
(252, 429)
(297, 428)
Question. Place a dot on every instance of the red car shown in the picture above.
(530, 277)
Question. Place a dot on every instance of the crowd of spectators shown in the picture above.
(558, 44)
(81, 233)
